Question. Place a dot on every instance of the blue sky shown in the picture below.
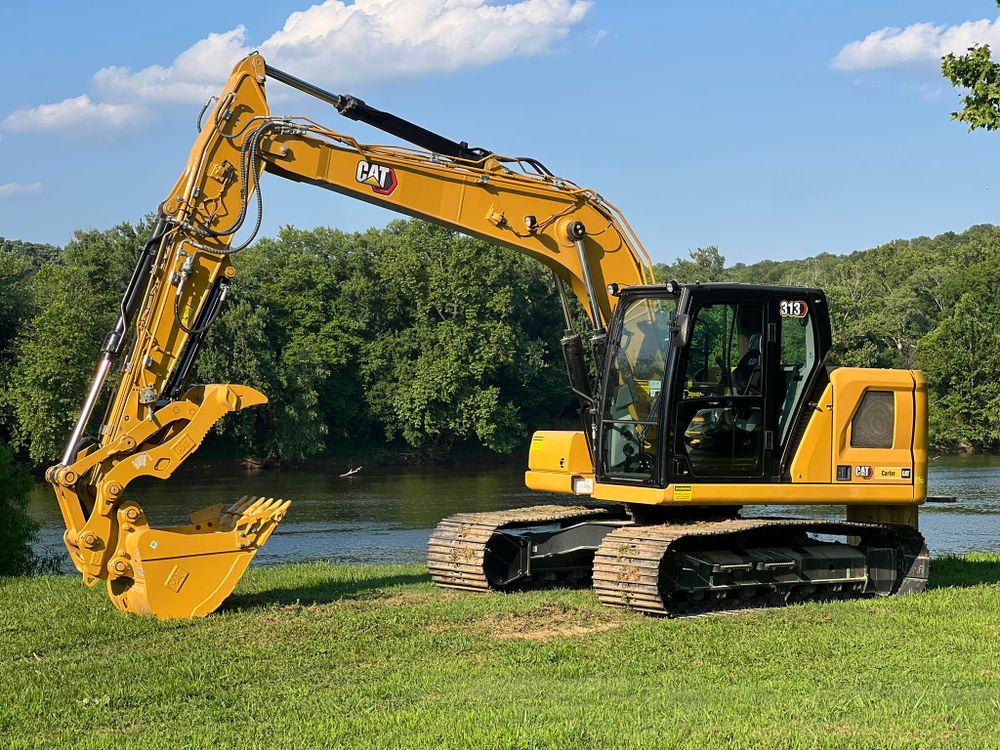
(770, 129)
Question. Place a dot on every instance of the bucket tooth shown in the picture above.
(187, 571)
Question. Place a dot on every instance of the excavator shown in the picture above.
(700, 403)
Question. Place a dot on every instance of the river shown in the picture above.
(385, 514)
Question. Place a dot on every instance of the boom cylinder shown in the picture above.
(578, 233)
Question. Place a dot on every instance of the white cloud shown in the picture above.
(195, 74)
(335, 44)
(12, 189)
(343, 45)
(78, 115)
(916, 44)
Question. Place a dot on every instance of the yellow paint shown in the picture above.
(561, 451)
(919, 436)
(549, 481)
(787, 493)
(849, 386)
(555, 458)
(812, 462)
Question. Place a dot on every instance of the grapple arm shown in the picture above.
(155, 420)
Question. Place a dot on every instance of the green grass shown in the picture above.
(327, 656)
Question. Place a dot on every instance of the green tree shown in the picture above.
(465, 341)
(961, 358)
(702, 264)
(37, 254)
(291, 333)
(16, 274)
(18, 529)
(76, 298)
(976, 72)
(19, 261)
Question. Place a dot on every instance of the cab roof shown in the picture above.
(727, 286)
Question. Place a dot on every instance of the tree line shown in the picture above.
(411, 338)
(408, 336)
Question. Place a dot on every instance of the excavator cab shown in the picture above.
(703, 382)
(712, 398)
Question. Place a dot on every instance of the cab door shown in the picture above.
(629, 442)
(722, 427)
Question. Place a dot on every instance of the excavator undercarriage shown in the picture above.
(680, 568)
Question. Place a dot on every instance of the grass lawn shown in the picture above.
(332, 656)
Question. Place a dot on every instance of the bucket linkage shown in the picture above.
(183, 571)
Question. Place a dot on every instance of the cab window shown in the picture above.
(725, 355)
(720, 412)
(630, 425)
(798, 358)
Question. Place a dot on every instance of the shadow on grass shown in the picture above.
(946, 571)
(973, 570)
(322, 592)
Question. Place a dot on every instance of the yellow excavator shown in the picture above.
(697, 401)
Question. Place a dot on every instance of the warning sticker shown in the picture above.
(537, 441)
(683, 492)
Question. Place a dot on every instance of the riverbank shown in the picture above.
(337, 656)
(384, 515)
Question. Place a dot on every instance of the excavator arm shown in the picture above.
(155, 419)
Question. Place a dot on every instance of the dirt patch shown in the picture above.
(545, 634)
(549, 622)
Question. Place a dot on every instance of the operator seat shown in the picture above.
(746, 376)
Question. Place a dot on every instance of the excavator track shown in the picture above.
(747, 563)
(459, 549)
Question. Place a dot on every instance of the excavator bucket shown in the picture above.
(187, 571)
(184, 571)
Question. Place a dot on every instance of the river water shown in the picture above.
(385, 514)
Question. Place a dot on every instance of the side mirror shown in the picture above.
(680, 331)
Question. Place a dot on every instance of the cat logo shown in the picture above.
(863, 472)
(382, 179)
